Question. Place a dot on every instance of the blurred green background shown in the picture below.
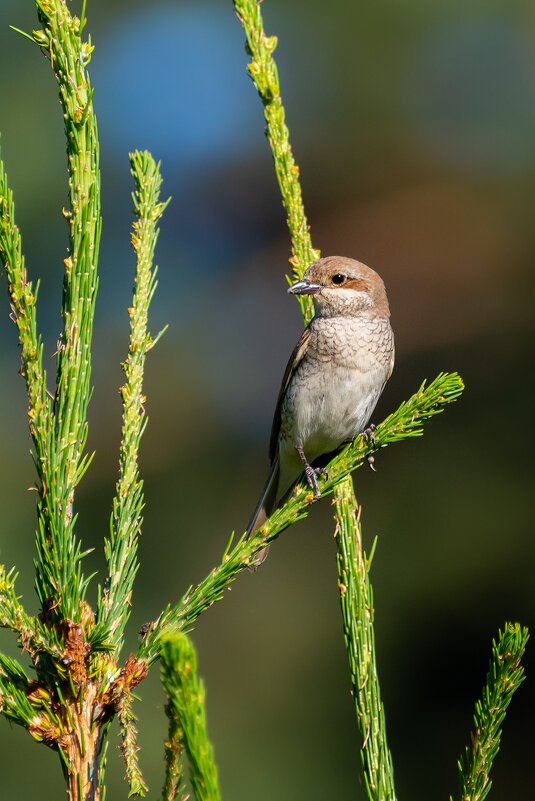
(414, 127)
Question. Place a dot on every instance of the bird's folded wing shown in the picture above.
(294, 362)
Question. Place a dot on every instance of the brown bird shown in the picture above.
(333, 380)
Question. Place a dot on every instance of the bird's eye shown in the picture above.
(338, 279)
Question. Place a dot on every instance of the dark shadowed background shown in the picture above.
(414, 127)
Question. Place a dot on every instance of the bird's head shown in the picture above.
(341, 286)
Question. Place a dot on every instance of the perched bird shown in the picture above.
(334, 377)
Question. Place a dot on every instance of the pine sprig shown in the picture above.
(504, 677)
(356, 600)
(174, 788)
(26, 702)
(264, 74)
(187, 722)
(403, 423)
(59, 581)
(33, 637)
(14, 683)
(23, 313)
(129, 747)
(121, 547)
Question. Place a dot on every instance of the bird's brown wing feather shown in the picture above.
(294, 362)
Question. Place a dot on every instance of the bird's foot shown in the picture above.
(369, 436)
(369, 433)
(312, 473)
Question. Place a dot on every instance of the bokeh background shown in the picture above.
(414, 127)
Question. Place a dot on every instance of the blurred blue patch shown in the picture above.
(172, 79)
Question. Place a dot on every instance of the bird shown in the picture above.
(333, 380)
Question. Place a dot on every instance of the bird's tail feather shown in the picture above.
(266, 505)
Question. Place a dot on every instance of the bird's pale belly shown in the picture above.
(330, 408)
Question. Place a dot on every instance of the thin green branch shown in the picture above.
(129, 747)
(121, 547)
(265, 76)
(356, 600)
(59, 581)
(174, 787)
(187, 722)
(23, 314)
(24, 702)
(14, 703)
(32, 635)
(504, 677)
(405, 422)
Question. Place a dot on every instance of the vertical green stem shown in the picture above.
(263, 71)
(121, 547)
(129, 747)
(59, 581)
(23, 313)
(356, 600)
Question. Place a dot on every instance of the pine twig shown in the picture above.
(59, 580)
(264, 74)
(23, 314)
(121, 547)
(504, 677)
(174, 788)
(129, 747)
(187, 722)
(405, 422)
(14, 684)
(32, 635)
(356, 600)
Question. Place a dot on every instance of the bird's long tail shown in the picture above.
(266, 505)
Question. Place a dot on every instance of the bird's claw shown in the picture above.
(369, 433)
(312, 478)
(369, 436)
(312, 473)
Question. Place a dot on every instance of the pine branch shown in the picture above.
(14, 684)
(405, 422)
(504, 677)
(27, 703)
(23, 314)
(265, 76)
(129, 747)
(174, 788)
(33, 637)
(121, 547)
(59, 580)
(187, 722)
(356, 600)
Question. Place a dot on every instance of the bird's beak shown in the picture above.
(303, 287)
